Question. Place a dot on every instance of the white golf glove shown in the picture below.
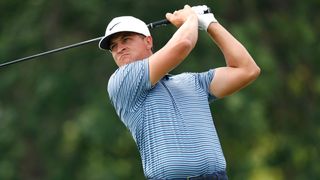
(204, 19)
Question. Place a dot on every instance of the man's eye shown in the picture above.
(112, 46)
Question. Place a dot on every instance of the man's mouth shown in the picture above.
(123, 56)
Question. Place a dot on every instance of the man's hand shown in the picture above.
(204, 19)
(177, 18)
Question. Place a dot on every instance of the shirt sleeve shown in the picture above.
(204, 79)
(128, 85)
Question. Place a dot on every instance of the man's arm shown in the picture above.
(240, 68)
(178, 47)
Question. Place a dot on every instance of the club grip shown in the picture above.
(156, 24)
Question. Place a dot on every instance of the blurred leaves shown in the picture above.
(56, 121)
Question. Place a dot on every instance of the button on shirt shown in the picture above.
(170, 121)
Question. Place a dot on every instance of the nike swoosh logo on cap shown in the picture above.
(114, 26)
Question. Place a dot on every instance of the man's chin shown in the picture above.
(126, 60)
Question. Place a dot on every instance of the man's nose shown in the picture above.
(120, 47)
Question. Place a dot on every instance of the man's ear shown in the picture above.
(148, 40)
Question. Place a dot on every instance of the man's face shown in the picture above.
(127, 47)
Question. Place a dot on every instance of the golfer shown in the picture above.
(169, 115)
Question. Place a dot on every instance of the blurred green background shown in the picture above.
(57, 123)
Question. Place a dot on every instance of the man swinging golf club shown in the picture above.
(169, 115)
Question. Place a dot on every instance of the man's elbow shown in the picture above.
(254, 72)
(186, 45)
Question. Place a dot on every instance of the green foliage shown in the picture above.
(56, 121)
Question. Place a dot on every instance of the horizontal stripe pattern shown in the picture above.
(171, 121)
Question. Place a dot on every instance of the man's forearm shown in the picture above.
(188, 31)
(178, 47)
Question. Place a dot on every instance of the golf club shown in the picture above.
(152, 25)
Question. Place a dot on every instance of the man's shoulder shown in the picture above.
(129, 76)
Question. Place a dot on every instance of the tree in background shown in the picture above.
(56, 121)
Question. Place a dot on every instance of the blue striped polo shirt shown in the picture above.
(170, 121)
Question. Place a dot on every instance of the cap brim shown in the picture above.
(104, 43)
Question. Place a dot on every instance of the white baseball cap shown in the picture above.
(123, 24)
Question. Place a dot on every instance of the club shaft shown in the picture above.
(150, 26)
(50, 52)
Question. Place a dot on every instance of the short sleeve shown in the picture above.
(204, 79)
(127, 85)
